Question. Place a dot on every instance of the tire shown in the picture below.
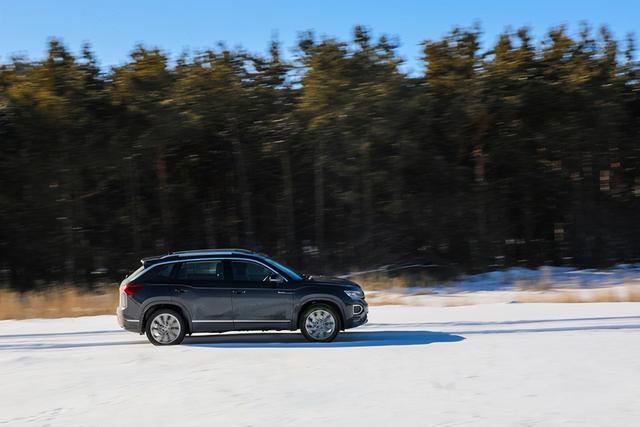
(166, 327)
(326, 322)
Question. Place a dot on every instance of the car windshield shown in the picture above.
(289, 272)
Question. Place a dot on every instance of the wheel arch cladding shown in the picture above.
(328, 302)
(155, 307)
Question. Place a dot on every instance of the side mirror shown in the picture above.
(275, 279)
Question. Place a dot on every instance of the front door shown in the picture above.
(257, 302)
(204, 289)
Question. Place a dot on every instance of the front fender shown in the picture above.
(319, 297)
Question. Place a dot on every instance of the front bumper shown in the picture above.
(357, 314)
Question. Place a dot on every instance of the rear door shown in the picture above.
(203, 287)
(258, 303)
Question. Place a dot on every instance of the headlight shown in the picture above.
(355, 294)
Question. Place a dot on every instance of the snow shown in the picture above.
(544, 284)
(548, 277)
(488, 364)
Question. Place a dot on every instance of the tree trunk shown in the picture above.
(318, 175)
(209, 223)
(287, 185)
(245, 192)
(480, 251)
(69, 217)
(161, 175)
(133, 205)
(367, 200)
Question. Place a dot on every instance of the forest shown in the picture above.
(514, 151)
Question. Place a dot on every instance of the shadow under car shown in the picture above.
(296, 340)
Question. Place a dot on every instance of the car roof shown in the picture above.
(175, 256)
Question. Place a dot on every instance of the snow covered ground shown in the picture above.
(544, 284)
(545, 277)
(489, 364)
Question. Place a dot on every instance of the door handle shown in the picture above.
(284, 293)
(237, 291)
(179, 290)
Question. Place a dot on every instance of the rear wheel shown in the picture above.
(320, 323)
(166, 327)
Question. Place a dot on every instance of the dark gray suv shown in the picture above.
(222, 290)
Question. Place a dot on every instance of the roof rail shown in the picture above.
(212, 251)
(197, 252)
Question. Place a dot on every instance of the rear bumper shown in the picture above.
(131, 325)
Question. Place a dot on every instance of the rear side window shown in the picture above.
(203, 271)
(158, 274)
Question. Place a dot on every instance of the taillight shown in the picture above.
(130, 288)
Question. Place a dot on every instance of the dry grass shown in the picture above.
(72, 302)
(627, 293)
(388, 299)
(58, 302)
(543, 283)
(383, 281)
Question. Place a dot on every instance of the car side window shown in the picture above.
(158, 274)
(201, 271)
(246, 271)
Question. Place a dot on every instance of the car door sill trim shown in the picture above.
(246, 321)
(262, 321)
(212, 321)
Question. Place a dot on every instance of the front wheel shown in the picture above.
(166, 327)
(320, 323)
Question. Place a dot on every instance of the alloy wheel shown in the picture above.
(320, 324)
(165, 328)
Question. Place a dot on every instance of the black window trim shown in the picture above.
(218, 258)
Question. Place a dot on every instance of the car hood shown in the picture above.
(324, 280)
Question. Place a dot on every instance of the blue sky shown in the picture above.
(113, 27)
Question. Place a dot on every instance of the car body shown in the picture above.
(233, 289)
